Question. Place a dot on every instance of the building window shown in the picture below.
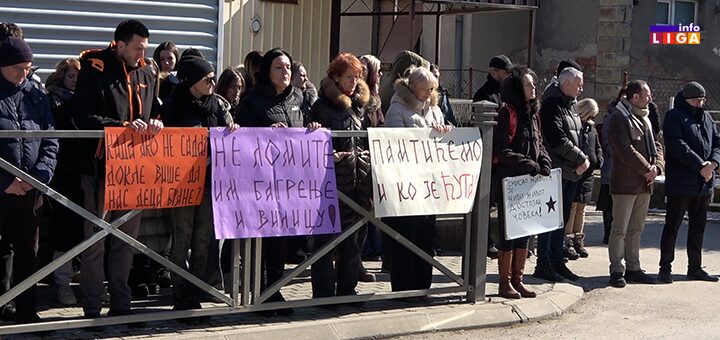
(676, 12)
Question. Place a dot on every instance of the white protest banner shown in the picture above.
(533, 204)
(417, 171)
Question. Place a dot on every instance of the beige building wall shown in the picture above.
(303, 30)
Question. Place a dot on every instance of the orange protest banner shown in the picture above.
(145, 171)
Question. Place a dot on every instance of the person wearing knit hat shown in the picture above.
(565, 63)
(693, 90)
(692, 154)
(192, 68)
(15, 59)
(497, 72)
(490, 91)
(193, 103)
(20, 99)
(501, 62)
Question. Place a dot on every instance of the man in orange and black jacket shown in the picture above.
(116, 87)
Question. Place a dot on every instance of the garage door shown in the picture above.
(57, 29)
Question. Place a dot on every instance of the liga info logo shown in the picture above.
(675, 34)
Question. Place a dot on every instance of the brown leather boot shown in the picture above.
(518, 267)
(504, 263)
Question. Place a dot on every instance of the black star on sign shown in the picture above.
(551, 204)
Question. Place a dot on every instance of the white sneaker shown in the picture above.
(65, 296)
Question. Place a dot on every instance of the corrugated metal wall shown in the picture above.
(57, 29)
(303, 30)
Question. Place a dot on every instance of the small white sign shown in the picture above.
(533, 204)
(417, 171)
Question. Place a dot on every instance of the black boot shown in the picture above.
(570, 252)
(580, 245)
(7, 312)
(547, 273)
(565, 272)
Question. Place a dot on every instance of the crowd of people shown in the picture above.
(119, 87)
(537, 133)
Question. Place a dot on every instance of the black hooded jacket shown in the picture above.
(490, 91)
(525, 154)
(184, 110)
(109, 93)
(263, 107)
(691, 138)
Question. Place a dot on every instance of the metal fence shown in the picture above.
(462, 83)
(246, 292)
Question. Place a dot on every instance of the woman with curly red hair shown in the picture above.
(343, 99)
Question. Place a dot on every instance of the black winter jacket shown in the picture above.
(109, 93)
(489, 91)
(182, 109)
(524, 155)
(336, 111)
(561, 129)
(593, 149)
(25, 107)
(263, 107)
(691, 138)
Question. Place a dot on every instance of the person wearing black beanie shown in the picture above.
(23, 107)
(692, 155)
(192, 68)
(194, 103)
(565, 63)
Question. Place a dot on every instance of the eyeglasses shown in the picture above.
(210, 80)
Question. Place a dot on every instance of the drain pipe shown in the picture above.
(459, 23)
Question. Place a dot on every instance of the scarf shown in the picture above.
(639, 119)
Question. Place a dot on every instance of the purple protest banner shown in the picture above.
(273, 182)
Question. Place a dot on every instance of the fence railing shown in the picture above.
(246, 293)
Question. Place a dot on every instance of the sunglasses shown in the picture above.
(210, 80)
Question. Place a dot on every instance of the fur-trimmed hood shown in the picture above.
(405, 96)
(330, 90)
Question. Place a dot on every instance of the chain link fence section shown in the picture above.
(462, 83)
(664, 90)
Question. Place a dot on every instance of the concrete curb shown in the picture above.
(413, 320)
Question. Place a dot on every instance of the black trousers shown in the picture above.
(696, 207)
(551, 245)
(408, 271)
(19, 224)
(347, 266)
(274, 254)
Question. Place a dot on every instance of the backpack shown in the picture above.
(512, 126)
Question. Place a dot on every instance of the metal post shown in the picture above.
(470, 82)
(437, 38)
(235, 272)
(484, 112)
(246, 270)
(531, 40)
(412, 26)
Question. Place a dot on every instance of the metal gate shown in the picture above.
(471, 281)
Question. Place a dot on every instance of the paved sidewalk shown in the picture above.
(373, 319)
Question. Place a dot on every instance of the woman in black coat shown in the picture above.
(515, 153)
(574, 230)
(273, 102)
(344, 97)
